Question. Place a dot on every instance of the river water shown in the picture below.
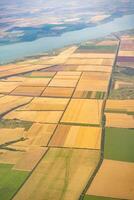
(12, 52)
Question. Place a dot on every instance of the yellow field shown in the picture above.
(114, 179)
(57, 92)
(120, 105)
(119, 120)
(83, 111)
(28, 91)
(68, 73)
(39, 103)
(8, 103)
(43, 74)
(93, 81)
(58, 175)
(35, 116)
(77, 136)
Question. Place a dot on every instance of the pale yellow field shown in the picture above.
(8, 135)
(63, 83)
(85, 61)
(120, 105)
(35, 116)
(6, 87)
(68, 73)
(61, 174)
(30, 159)
(83, 111)
(8, 103)
(119, 120)
(126, 53)
(40, 103)
(36, 82)
(114, 179)
(93, 55)
(77, 136)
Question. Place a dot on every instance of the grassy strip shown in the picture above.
(79, 124)
(9, 123)
(90, 197)
(119, 111)
(10, 181)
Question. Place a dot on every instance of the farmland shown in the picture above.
(61, 130)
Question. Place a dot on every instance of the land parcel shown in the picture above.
(65, 181)
(92, 85)
(77, 136)
(119, 113)
(114, 179)
(83, 112)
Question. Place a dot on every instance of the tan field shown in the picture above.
(39, 134)
(63, 82)
(30, 159)
(6, 87)
(120, 105)
(83, 111)
(43, 74)
(68, 73)
(8, 103)
(65, 181)
(108, 42)
(122, 84)
(126, 53)
(93, 55)
(72, 77)
(10, 157)
(9, 135)
(28, 91)
(114, 179)
(84, 61)
(77, 136)
(94, 68)
(119, 120)
(35, 116)
(39, 103)
(14, 79)
(36, 82)
(57, 92)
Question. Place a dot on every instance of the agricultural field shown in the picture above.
(77, 136)
(65, 175)
(63, 133)
(88, 112)
(114, 179)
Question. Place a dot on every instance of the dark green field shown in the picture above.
(10, 181)
(87, 197)
(119, 144)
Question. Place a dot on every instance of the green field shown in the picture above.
(95, 48)
(87, 197)
(119, 144)
(10, 181)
